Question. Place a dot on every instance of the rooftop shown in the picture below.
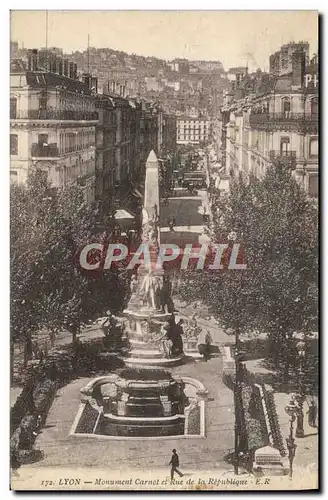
(43, 79)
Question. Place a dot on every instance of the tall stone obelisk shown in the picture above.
(151, 199)
(145, 314)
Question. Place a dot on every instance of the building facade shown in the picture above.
(62, 125)
(278, 122)
(193, 130)
(169, 133)
(281, 62)
(105, 148)
(52, 126)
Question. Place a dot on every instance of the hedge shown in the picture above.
(276, 433)
(41, 384)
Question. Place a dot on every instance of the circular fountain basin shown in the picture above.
(141, 404)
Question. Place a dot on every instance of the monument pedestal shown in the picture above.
(138, 402)
(143, 400)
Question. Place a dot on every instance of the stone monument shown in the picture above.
(146, 313)
(143, 400)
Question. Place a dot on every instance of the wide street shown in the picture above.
(186, 210)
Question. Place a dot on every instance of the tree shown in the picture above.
(276, 225)
(48, 288)
(25, 256)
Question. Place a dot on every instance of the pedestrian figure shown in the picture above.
(204, 344)
(175, 464)
(177, 336)
(171, 223)
(166, 296)
(38, 426)
(312, 414)
(52, 337)
(166, 342)
(14, 461)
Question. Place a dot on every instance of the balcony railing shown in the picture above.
(284, 157)
(53, 114)
(286, 119)
(42, 151)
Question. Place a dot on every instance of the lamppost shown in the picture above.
(239, 435)
(237, 402)
(300, 417)
(291, 409)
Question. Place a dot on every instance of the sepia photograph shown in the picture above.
(164, 250)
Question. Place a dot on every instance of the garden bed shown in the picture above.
(254, 419)
(194, 417)
(42, 381)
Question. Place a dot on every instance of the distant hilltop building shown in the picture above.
(234, 73)
(14, 49)
(281, 62)
(180, 66)
(208, 65)
(152, 83)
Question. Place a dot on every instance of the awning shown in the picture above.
(123, 214)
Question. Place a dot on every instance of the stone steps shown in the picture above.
(143, 353)
(153, 362)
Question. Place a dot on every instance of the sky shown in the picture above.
(232, 37)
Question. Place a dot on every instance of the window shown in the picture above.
(313, 147)
(314, 107)
(13, 144)
(13, 177)
(13, 107)
(313, 185)
(43, 140)
(43, 101)
(286, 107)
(284, 146)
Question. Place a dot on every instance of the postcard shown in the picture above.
(164, 250)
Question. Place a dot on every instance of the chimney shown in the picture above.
(53, 64)
(65, 67)
(71, 70)
(86, 78)
(60, 66)
(32, 60)
(43, 60)
(298, 68)
(94, 84)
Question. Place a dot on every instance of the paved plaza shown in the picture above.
(60, 449)
(307, 447)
